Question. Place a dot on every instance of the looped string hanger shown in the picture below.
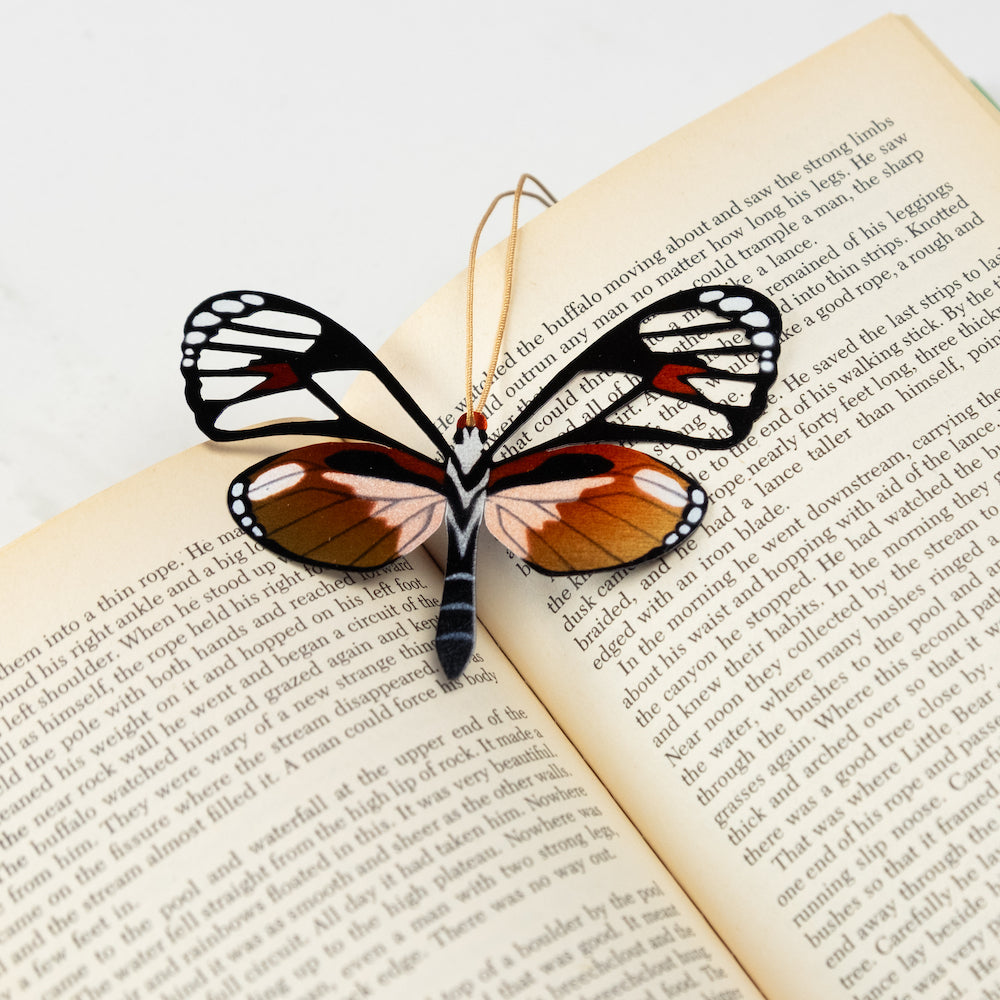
(547, 199)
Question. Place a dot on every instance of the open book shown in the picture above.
(764, 766)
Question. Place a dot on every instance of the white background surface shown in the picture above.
(338, 153)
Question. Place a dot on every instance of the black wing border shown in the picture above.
(334, 349)
(624, 349)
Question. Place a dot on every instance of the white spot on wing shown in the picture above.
(735, 303)
(276, 480)
(662, 487)
(228, 306)
(290, 322)
(225, 361)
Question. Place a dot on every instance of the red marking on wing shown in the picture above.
(589, 507)
(343, 505)
(669, 379)
(279, 376)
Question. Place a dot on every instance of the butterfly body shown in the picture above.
(467, 481)
(581, 501)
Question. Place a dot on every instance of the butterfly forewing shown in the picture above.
(340, 505)
(250, 355)
(590, 507)
(692, 368)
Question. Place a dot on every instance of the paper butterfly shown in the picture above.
(702, 359)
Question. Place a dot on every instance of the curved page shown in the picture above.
(798, 708)
(225, 775)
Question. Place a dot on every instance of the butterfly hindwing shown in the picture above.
(349, 506)
(581, 508)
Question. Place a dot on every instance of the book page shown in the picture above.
(223, 774)
(799, 707)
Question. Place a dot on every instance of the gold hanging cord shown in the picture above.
(547, 199)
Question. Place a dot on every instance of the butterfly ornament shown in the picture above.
(691, 369)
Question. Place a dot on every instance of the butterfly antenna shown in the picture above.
(547, 199)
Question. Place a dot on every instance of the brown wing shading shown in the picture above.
(590, 507)
(343, 505)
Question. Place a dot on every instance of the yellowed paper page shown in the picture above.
(223, 774)
(799, 707)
